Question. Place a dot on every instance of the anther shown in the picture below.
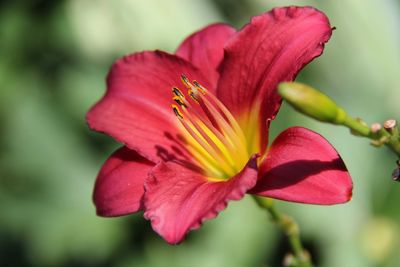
(193, 95)
(177, 111)
(200, 87)
(177, 92)
(186, 81)
(179, 101)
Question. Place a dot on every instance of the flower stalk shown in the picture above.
(319, 106)
(299, 257)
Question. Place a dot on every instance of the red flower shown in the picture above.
(182, 165)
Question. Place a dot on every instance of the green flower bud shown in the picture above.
(312, 102)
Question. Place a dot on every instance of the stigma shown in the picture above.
(213, 136)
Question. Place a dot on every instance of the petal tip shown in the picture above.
(119, 187)
(303, 167)
(349, 193)
(178, 200)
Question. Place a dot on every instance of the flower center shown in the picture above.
(214, 138)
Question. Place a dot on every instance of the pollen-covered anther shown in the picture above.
(177, 112)
(193, 90)
(177, 92)
(179, 101)
(186, 81)
(200, 87)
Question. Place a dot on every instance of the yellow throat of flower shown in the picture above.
(214, 138)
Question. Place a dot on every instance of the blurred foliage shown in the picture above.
(54, 56)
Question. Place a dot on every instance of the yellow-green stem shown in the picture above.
(357, 126)
(291, 230)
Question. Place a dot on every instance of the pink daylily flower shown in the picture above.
(195, 125)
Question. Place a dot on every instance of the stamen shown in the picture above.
(233, 135)
(222, 118)
(193, 95)
(177, 92)
(186, 81)
(193, 90)
(215, 139)
(179, 101)
(177, 111)
(216, 134)
(229, 117)
(206, 146)
(200, 87)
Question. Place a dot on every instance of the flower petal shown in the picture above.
(136, 109)
(301, 166)
(178, 200)
(119, 186)
(205, 49)
(272, 48)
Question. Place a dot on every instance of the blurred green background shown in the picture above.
(54, 56)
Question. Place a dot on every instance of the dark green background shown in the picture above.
(54, 56)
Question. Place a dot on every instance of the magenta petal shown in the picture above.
(136, 109)
(119, 186)
(178, 200)
(272, 48)
(301, 166)
(205, 49)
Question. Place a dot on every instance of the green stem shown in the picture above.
(382, 137)
(300, 257)
(394, 145)
(357, 126)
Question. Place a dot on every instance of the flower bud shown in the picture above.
(391, 127)
(311, 102)
(376, 127)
